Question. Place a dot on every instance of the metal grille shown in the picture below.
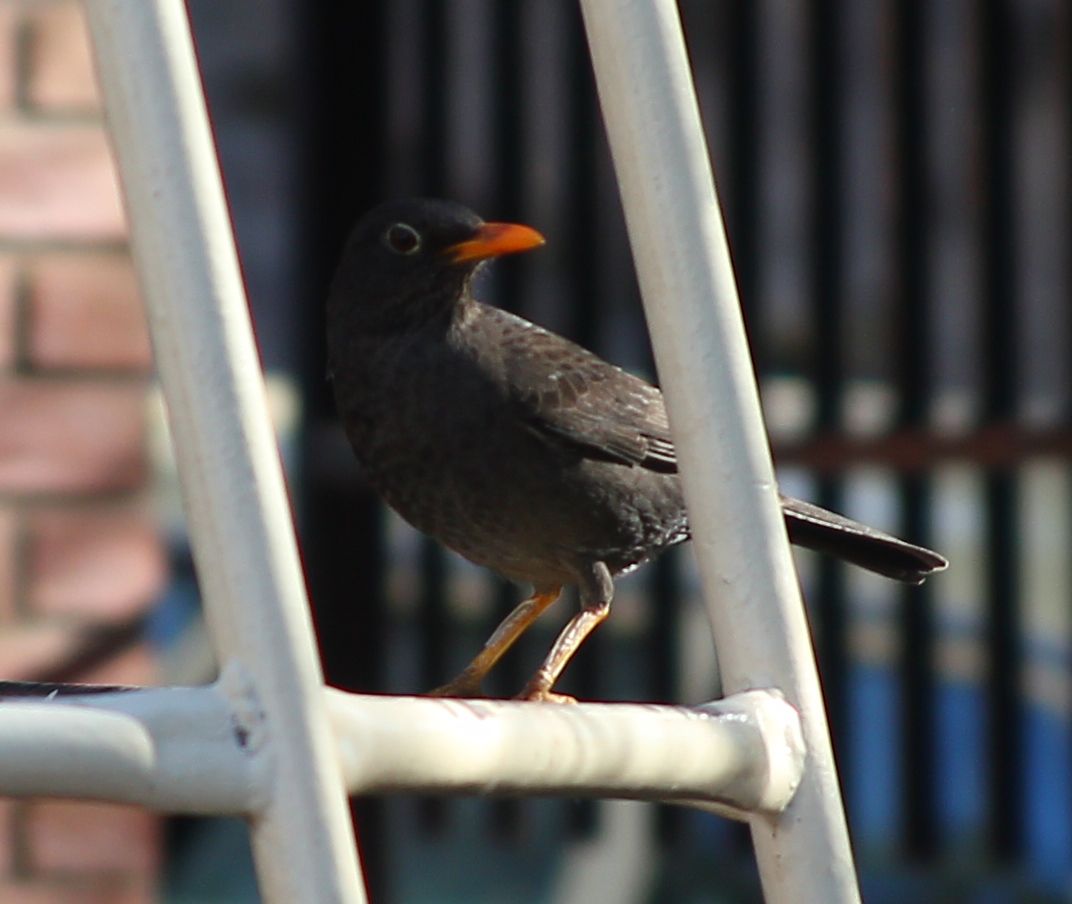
(897, 186)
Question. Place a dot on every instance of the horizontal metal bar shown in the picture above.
(745, 751)
(906, 450)
(201, 750)
(180, 750)
(999, 445)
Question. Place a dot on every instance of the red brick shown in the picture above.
(58, 182)
(104, 564)
(137, 666)
(8, 62)
(85, 311)
(79, 837)
(7, 838)
(60, 72)
(8, 570)
(62, 436)
(8, 311)
(111, 890)
(34, 651)
(30, 652)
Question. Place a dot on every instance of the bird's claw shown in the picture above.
(544, 695)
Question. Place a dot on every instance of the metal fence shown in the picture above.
(897, 181)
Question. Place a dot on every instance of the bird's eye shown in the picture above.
(402, 239)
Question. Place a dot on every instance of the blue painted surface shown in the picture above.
(871, 775)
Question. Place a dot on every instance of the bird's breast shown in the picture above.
(420, 420)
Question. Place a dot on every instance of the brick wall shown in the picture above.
(80, 559)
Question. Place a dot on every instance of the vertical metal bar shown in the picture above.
(1001, 386)
(827, 302)
(1004, 658)
(662, 650)
(435, 620)
(664, 659)
(584, 243)
(742, 203)
(744, 210)
(510, 160)
(506, 816)
(434, 616)
(435, 623)
(914, 380)
(340, 518)
(1066, 280)
(247, 560)
(683, 262)
(510, 146)
(434, 58)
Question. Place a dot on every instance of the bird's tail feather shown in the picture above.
(816, 528)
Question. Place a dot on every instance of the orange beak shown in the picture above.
(495, 240)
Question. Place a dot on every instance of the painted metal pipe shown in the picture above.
(745, 752)
(177, 750)
(686, 278)
(233, 489)
(206, 750)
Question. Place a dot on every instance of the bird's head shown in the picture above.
(407, 262)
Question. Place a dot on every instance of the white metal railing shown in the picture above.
(690, 298)
(189, 750)
(233, 491)
(267, 740)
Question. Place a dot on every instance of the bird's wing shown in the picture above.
(567, 395)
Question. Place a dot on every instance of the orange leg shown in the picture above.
(467, 684)
(568, 642)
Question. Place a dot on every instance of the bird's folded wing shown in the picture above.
(567, 395)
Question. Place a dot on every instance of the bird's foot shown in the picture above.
(544, 695)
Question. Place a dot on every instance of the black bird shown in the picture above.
(511, 445)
